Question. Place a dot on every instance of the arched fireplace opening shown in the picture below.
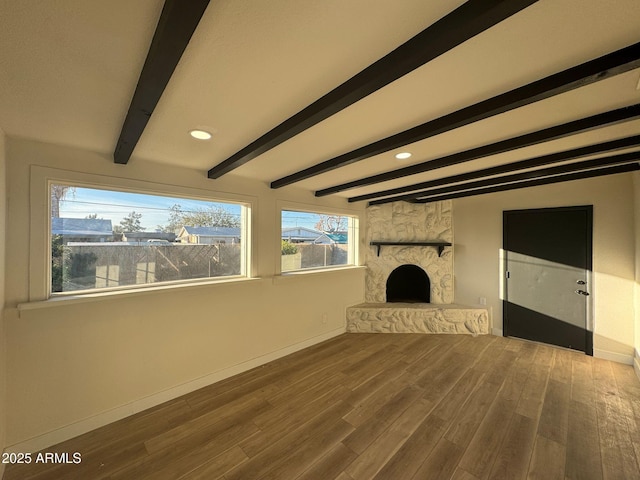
(409, 283)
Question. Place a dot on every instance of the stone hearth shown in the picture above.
(417, 318)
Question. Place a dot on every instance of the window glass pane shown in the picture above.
(315, 240)
(109, 239)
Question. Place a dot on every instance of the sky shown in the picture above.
(299, 219)
(114, 206)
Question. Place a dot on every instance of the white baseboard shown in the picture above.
(613, 356)
(497, 332)
(636, 364)
(67, 432)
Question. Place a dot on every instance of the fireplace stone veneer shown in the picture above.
(410, 223)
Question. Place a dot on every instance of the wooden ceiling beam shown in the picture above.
(593, 71)
(609, 118)
(625, 162)
(537, 182)
(465, 22)
(176, 25)
(576, 153)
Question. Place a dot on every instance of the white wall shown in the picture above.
(478, 240)
(3, 216)
(73, 366)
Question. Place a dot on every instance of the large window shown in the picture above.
(317, 240)
(107, 239)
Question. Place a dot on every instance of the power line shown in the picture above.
(286, 217)
(139, 207)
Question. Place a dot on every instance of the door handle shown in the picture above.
(582, 292)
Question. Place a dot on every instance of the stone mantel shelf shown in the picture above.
(440, 245)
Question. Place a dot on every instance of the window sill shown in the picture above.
(71, 299)
(298, 274)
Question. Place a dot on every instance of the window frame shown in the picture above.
(353, 250)
(42, 178)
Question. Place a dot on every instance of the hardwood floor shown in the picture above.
(384, 407)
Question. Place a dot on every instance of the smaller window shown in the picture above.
(105, 239)
(317, 240)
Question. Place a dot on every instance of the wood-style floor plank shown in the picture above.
(484, 447)
(297, 418)
(618, 456)
(278, 452)
(330, 465)
(310, 451)
(584, 459)
(441, 463)
(451, 403)
(532, 398)
(374, 457)
(461, 474)
(382, 418)
(629, 391)
(217, 466)
(561, 371)
(384, 407)
(468, 418)
(582, 388)
(547, 461)
(512, 460)
(406, 461)
(554, 418)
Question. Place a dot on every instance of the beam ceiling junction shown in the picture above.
(609, 118)
(540, 161)
(536, 182)
(623, 158)
(176, 25)
(465, 22)
(593, 71)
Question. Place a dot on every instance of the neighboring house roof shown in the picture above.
(81, 227)
(212, 231)
(304, 234)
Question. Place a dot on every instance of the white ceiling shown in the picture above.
(68, 70)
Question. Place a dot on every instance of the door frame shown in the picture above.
(589, 321)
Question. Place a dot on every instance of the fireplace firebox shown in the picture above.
(409, 283)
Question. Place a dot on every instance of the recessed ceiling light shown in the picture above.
(200, 134)
(403, 155)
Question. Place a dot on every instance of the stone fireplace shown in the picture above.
(409, 285)
(409, 222)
